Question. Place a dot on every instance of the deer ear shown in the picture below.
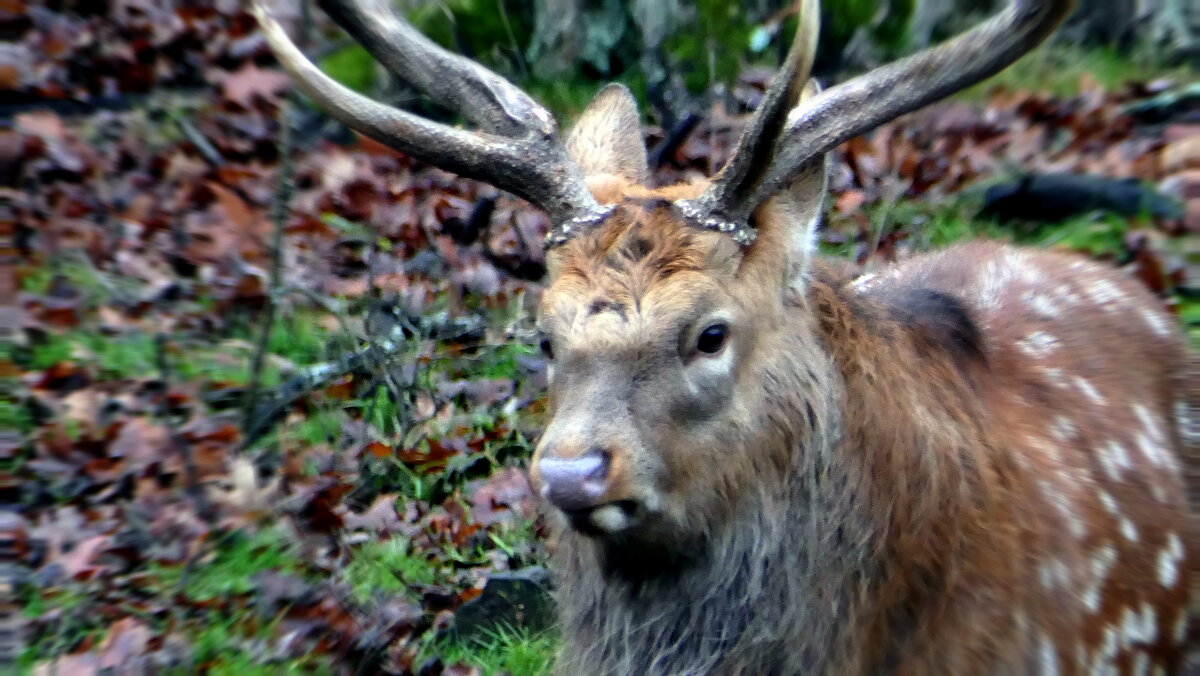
(796, 211)
(787, 221)
(607, 139)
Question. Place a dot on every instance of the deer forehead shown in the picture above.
(641, 273)
(615, 311)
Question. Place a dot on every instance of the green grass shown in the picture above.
(1057, 70)
(934, 226)
(94, 285)
(219, 640)
(230, 569)
(321, 427)
(513, 651)
(501, 361)
(388, 566)
(75, 623)
(221, 646)
(131, 354)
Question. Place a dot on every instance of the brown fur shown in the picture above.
(893, 482)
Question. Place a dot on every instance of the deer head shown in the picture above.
(664, 313)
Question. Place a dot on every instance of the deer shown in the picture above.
(758, 461)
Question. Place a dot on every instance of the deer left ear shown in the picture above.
(787, 223)
(607, 139)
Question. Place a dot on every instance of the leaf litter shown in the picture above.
(143, 235)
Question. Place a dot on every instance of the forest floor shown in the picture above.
(272, 397)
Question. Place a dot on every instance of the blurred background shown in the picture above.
(267, 388)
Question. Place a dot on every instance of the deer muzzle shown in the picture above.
(578, 483)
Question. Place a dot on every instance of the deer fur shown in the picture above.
(967, 464)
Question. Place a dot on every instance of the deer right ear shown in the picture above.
(607, 139)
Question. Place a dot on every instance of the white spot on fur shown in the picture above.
(1109, 646)
(1155, 453)
(1054, 574)
(1141, 663)
(1102, 563)
(1055, 376)
(1168, 561)
(1114, 460)
(1109, 503)
(1066, 295)
(1065, 508)
(1042, 304)
(1104, 292)
(1048, 656)
(1038, 344)
(1048, 449)
(1153, 443)
(1138, 627)
(1089, 390)
(992, 285)
(1128, 530)
(1063, 429)
(1149, 421)
(1157, 322)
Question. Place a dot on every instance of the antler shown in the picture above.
(518, 148)
(822, 122)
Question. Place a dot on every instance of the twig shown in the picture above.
(377, 354)
(211, 154)
(279, 209)
(262, 417)
(191, 474)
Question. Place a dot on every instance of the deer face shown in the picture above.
(653, 324)
(647, 328)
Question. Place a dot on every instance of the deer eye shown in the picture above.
(547, 348)
(712, 339)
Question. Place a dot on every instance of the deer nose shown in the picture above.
(575, 483)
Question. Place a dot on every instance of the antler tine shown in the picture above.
(483, 97)
(530, 163)
(720, 207)
(854, 107)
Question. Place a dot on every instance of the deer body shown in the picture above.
(968, 481)
(758, 464)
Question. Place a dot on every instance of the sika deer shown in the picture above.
(968, 464)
